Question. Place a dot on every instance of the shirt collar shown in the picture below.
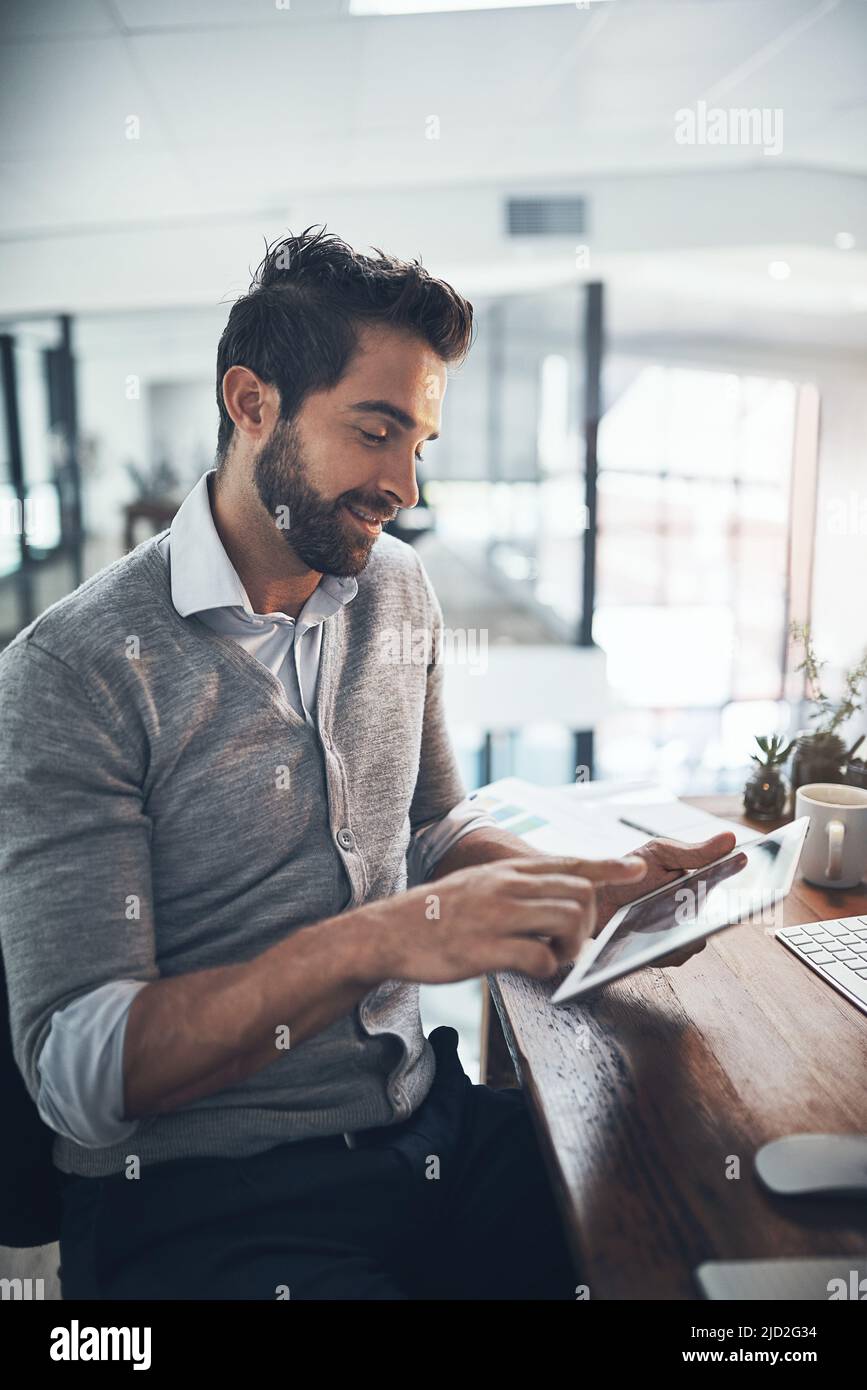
(203, 577)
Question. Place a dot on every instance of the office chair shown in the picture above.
(29, 1181)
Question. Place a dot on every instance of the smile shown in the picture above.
(366, 520)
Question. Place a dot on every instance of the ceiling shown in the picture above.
(251, 116)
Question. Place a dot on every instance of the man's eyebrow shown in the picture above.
(393, 412)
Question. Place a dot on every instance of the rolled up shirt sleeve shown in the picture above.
(80, 1066)
(431, 841)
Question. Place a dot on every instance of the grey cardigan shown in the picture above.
(165, 810)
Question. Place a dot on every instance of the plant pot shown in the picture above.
(765, 794)
(818, 758)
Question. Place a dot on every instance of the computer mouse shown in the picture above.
(816, 1165)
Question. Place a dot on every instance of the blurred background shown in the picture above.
(653, 460)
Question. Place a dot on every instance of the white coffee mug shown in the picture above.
(835, 850)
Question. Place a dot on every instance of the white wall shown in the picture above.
(182, 425)
(115, 428)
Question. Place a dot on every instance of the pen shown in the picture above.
(633, 825)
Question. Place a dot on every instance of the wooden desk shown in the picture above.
(645, 1093)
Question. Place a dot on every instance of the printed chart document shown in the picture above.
(597, 820)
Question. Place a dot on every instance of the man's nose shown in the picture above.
(398, 482)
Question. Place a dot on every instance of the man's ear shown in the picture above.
(252, 404)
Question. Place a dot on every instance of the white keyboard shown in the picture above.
(836, 950)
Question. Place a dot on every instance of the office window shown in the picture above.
(695, 479)
(506, 479)
(41, 511)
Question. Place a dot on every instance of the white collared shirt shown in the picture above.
(206, 584)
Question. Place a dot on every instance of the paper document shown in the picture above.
(597, 820)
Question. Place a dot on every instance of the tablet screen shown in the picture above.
(752, 877)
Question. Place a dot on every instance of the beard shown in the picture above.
(318, 529)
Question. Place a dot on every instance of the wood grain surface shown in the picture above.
(652, 1092)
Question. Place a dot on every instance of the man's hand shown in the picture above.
(666, 861)
(527, 914)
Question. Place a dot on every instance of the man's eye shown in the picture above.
(381, 439)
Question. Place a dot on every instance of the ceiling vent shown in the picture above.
(546, 216)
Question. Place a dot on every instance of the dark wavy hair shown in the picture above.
(297, 326)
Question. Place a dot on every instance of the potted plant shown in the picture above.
(820, 753)
(766, 789)
(856, 768)
(156, 482)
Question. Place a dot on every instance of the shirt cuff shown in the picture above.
(433, 839)
(81, 1067)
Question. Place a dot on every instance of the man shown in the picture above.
(215, 777)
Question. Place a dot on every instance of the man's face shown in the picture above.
(347, 462)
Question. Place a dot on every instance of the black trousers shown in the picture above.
(453, 1203)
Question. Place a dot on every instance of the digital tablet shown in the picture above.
(752, 877)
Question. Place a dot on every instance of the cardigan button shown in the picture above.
(345, 839)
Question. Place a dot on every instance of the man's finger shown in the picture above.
(568, 886)
(671, 854)
(625, 870)
(550, 917)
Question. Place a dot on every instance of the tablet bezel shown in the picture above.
(576, 981)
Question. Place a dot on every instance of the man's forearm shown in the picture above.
(191, 1035)
(481, 846)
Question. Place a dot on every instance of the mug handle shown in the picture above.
(836, 835)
